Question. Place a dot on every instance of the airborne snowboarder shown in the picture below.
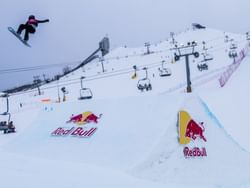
(30, 26)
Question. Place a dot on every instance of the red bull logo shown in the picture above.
(80, 119)
(83, 118)
(73, 131)
(195, 130)
(189, 130)
(195, 152)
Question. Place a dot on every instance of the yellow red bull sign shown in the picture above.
(79, 120)
(191, 130)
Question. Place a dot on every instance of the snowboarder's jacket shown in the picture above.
(34, 22)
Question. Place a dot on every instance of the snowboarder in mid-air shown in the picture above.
(29, 26)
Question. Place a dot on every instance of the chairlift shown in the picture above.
(248, 35)
(233, 45)
(144, 84)
(6, 113)
(207, 57)
(232, 54)
(202, 66)
(164, 71)
(85, 93)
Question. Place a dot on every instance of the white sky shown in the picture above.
(77, 26)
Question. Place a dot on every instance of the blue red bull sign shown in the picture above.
(191, 130)
(79, 130)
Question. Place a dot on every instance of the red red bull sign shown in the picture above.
(80, 119)
(191, 130)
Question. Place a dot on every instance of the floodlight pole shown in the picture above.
(186, 55)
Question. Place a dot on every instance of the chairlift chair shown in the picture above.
(164, 71)
(248, 35)
(207, 57)
(233, 45)
(85, 93)
(144, 84)
(202, 66)
(232, 54)
(6, 113)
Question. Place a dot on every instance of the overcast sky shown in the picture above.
(76, 27)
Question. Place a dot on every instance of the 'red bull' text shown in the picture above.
(75, 131)
(194, 152)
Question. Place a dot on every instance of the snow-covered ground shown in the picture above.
(136, 141)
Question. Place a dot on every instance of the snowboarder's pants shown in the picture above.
(28, 29)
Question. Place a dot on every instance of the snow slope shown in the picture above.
(231, 104)
(136, 140)
(167, 164)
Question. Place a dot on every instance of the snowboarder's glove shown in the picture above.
(47, 20)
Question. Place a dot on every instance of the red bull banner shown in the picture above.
(191, 130)
(79, 120)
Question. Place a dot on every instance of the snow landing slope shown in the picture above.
(127, 130)
(226, 163)
(135, 129)
(235, 97)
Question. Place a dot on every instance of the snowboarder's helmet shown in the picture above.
(31, 17)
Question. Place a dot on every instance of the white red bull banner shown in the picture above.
(190, 130)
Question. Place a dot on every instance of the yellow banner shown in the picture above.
(184, 118)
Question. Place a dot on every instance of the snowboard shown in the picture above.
(18, 36)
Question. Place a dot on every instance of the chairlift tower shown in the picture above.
(37, 82)
(172, 37)
(147, 45)
(186, 51)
